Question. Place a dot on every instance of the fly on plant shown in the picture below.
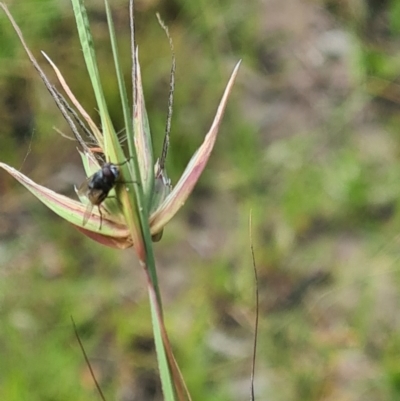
(97, 187)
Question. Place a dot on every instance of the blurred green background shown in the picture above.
(310, 143)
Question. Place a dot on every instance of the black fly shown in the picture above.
(97, 187)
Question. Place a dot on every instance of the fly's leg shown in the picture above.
(101, 216)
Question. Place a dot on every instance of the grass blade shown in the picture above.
(142, 136)
(195, 167)
(112, 148)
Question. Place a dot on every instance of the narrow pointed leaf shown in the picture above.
(96, 132)
(143, 141)
(71, 210)
(112, 149)
(86, 40)
(120, 79)
(134, 173)
(185, 185)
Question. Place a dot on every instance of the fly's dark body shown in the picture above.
(101, 183)
(97, 187)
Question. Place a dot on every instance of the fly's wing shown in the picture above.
(96, 197)
(83, 189)
(88, 213)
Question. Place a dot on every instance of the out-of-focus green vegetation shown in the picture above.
(310, 143)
